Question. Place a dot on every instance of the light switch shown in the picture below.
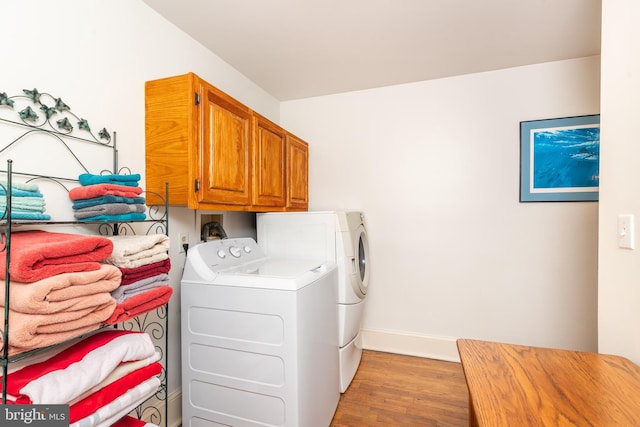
(625, 231)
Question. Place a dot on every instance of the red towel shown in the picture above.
(109, 393)
(39, 254)
(99, 190)
(129, 421)
(140, 303)
(134, 274)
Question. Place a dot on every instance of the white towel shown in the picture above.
(135, 251)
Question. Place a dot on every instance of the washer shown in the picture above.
(338, 236)
(259, 346)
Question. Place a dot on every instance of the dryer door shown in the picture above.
(361, 258)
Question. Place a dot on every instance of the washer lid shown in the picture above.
(274, 273)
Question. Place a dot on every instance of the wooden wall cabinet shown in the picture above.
(297, 173)
(216, 153)
(269, 163)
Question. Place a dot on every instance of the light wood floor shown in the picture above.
(394, 390)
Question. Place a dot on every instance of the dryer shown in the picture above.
(258, 338)
(339, 236)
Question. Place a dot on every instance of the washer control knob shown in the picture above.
(221, 253)
(235, 251)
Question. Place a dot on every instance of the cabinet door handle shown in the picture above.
(196, 185)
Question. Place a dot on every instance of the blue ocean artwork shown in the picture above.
(566, 158)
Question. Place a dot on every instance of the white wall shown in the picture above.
(96, 55)
(619, 269)
(435, 167)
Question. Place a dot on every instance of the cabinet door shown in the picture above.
(297, 173)
(269, 168)
(224, 161)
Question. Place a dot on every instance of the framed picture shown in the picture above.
(560, 159)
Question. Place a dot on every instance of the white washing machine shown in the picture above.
(338, 236)
(258, 338)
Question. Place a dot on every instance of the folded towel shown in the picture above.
(90, 179)
(31, 331)
(108, 209)
(129, 421)
(37, 254)
(102, 200)
(16, 192)
(134, 251)
(132, 275)
(35, 204)
(97, 190)
(135, 216)
(112, 391)
(63, 292)
(123, 369)
(123, 293)
(25, 186)
(139, 304)
(32, 216)
(107, 415)
(58, 378)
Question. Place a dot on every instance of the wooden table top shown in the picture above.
(515, 385)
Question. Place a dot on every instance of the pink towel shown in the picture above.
(62, 292)
(140, 303)
(99, 190)
(31, 331)
(38, 254)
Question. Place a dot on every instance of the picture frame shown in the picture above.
(560, 159)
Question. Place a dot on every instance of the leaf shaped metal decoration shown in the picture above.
(48, 111)
(83, 124)
(28, 114)
(61, 106)
(33, 94)
(4, 100)
(104, 134)
(65, 124)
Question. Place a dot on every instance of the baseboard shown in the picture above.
(432, 347)
(174, 403)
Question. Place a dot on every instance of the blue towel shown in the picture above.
(102, 200)
(16, 192)
(134, 216)
(28, 216)
(90, 179)
(30, 204)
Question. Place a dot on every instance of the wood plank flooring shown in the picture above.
(394, 390)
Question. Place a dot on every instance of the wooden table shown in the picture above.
(518, 386)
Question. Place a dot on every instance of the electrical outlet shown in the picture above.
(183, 239)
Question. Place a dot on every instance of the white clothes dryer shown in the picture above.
(338, 236)
(258, 338)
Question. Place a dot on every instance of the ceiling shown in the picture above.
(303, 48)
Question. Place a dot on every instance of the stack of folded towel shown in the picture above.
(108, 198)
(59, 287)
(144, 264)
(27, 202)
(101, 377)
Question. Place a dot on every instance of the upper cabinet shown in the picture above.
(216, 153)
(297, 173)
(269, 163)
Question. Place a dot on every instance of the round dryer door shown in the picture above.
(361, 258)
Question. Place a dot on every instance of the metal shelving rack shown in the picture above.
(35, 115)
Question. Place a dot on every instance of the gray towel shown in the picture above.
(108, 209)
